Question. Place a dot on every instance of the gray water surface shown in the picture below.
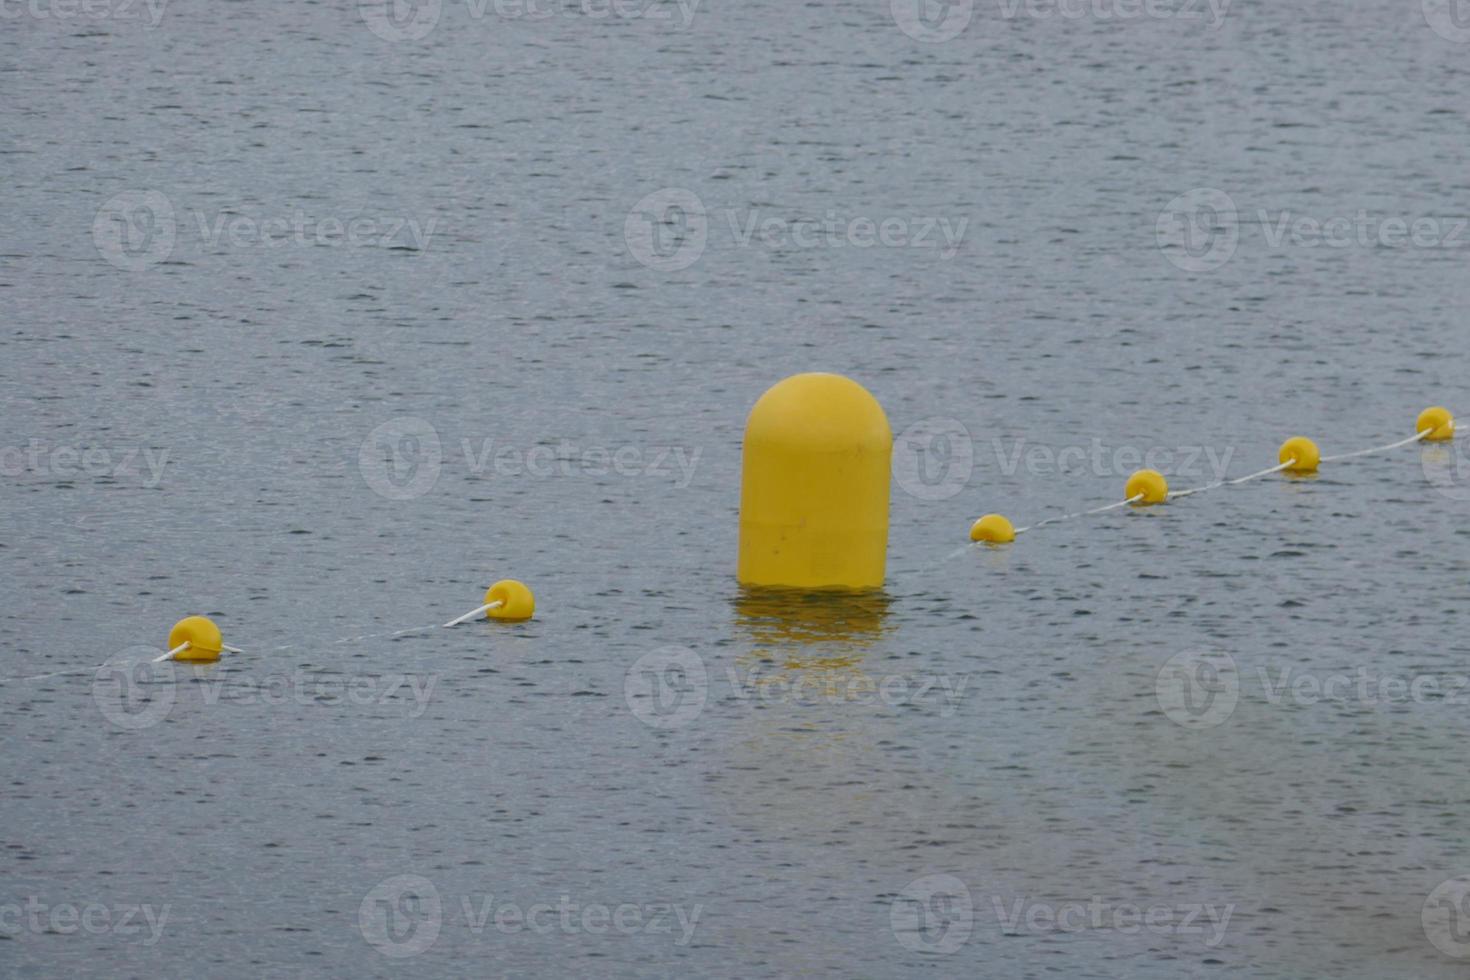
(318, 333)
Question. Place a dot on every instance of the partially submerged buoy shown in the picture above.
(815, 472)
(1302, 453)
(195, 639)
(1149, 486)
(993, 529)
(1439, 422)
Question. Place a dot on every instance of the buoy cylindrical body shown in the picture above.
(814, 484)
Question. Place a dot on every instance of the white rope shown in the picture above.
(172, 653)
(475, 612)
(1081, 513)
(1379, 449)
(289, 646)
(1266, 472)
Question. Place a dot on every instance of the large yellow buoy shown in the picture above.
(814, 486)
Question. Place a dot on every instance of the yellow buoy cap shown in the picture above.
(993, 529)
(1439, 422)
(202, 636)
(516, 601)
(1151, 484)
(1302, 453)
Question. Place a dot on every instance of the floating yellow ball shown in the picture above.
(1151, 484)
(1439, 422)
(993, 529)
(516, 601)
(1308, 457)
(203, 637)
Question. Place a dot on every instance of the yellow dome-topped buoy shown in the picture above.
(1151, 484)
(201, 636)
(1439, 422)
(815, 471)
(993, 529)
(516, 601)
(1303, 451)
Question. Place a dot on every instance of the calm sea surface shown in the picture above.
(317, 320)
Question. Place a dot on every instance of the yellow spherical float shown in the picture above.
(516, 601)
(203, 637)
(1302, 453)
(1438, 422)
(993, 529)
(1150, 485)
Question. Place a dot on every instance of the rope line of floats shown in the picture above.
(1146, 488)
(197, 639)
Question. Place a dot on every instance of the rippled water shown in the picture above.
(318, 333)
